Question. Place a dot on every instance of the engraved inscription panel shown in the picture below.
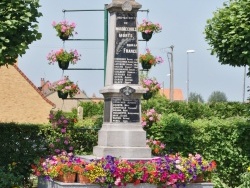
(125, 110)
(107, 102)
(125, 60)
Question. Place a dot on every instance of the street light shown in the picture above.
(171, 68)
(188, 51)
(171, 73)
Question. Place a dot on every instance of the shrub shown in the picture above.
(245, 179)
(193, 111)
(91, 108)
(224, 140)
(20, 144)
(9, 177)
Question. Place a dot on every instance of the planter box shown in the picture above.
(200, 185)
(42, 183)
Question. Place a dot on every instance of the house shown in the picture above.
(21, 101)
(65, 105)
(178, 95)
(96, 99)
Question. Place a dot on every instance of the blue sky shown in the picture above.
(183, 23)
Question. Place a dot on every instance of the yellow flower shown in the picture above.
(248, 168)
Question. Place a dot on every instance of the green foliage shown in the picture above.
(193, 110)
(23, 144)
(194, 97)
(228, 33)
(20, 144)
(158, 102)
(217, 96)
(59, 133)
(218, 183)
(84, 139)
(228, 109)
(18, 28)
(9, 177)
(175, 132)
(90, 122)
(81, 135)
(245, 180)
(91, 108)
(224, 140)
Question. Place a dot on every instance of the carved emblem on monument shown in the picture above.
(126, 6)
(127, 90)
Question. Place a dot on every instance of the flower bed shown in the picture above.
(168, 170)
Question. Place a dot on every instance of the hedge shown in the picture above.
(192, 110)
(224, 140)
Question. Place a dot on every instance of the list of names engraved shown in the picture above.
(125, 60)
(125, 110)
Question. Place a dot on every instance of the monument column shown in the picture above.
(121, 134)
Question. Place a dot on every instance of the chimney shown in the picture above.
(42, 82)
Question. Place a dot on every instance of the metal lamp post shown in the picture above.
(171, 68)
(188, 51)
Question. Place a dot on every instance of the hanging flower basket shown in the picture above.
(64, 37)
(147, 28)
(64, 29)
(63, 58)
(63, 65)
(64, 88)
(147, 60)
(152, 86)
(147, 36)
(62, 95)
(146, 65)
(147, 95)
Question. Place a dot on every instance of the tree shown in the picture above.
(228, 33)
(217, 96)
(194, 97)
(18, 28)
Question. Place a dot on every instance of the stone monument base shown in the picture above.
(55, 184)
(127, 141)
(130, 153)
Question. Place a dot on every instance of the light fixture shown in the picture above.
(188, 51)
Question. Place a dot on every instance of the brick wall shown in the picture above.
(19, 100)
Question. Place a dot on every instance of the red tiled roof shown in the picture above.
(178, 95)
